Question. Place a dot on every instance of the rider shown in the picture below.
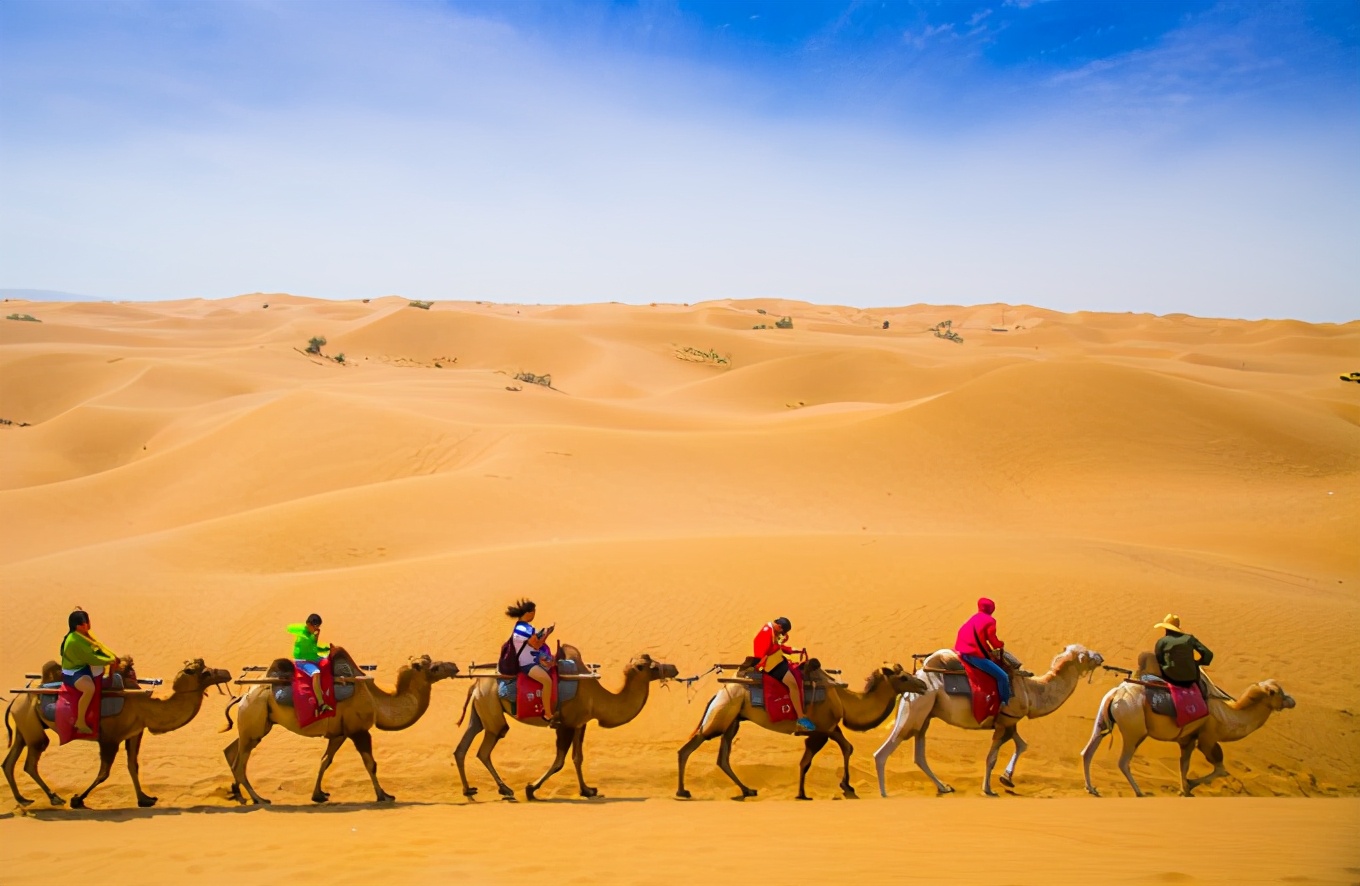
(1176, 653)
(534, 658)
(307, 655)
(978, 645)
(81, 653)
(770, 649)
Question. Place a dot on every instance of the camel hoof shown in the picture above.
(24, 801)
(590, 792)
(990, 793)
(320, 797)
(77, 802)
(386, 798)
(944, 790)
(851, 795)
(1093, 792)
(469, 792)
(803, 797)
(147, 802)
(748, 792)
(683, 795)
(261, 801)
(506, 791)
(529, 792)
(1006, 781)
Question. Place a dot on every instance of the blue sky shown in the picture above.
(1074, 154)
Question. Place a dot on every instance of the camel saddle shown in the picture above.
(341, 666)
(950, 668)
(566, 689)
(1184, 704)
(814, 681)
(109, 705)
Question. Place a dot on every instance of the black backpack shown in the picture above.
(508, 664)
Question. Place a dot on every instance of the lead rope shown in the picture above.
(689, 682)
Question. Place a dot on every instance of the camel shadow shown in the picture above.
(146, 814)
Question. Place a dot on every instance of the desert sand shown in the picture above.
(185, 472)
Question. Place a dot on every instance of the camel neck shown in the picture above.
(1046, 694)
(612, 709)
(400, 709)
(865, 710)
(169, 714)
(1239, 719)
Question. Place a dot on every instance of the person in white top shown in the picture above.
(530, 649)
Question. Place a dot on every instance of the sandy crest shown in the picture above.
(197, 481)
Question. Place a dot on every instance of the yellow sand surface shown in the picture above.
(185, 472)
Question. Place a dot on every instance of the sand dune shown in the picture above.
(194, 479)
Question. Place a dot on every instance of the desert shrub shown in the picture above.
(695, 355)
(760, 326)
(29, 317)
(545, 380)
(784, 323)
(423, 305)
(944, 329)
(340, 357)
(315, 344)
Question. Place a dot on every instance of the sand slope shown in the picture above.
(197, 481)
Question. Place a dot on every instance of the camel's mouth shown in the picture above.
(1289, 701)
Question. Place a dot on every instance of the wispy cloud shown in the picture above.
(360, 149)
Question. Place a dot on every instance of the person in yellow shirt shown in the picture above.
(81, 655)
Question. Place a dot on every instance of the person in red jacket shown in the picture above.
(773, 655)
(978, 645)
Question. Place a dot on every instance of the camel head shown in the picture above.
(898, 678)
(124, 666)
(1272, 694)
(433, 671)
(655, 670)
(195, 676)
(1085, 660)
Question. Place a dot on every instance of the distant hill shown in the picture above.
(46, 295)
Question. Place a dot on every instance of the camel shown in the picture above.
(1034, 697)
(1228, 720)
(860, 711)
(140, 713)
(354, 717)
(592, 702)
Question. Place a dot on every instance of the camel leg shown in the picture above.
(1214, 754)
(16, 748)
(31, 759)
(108, 752)
(578, 757)
(333, 744)
(1007, 778)
(1088, 753)
(923, 765)
(838, 736)
(363, 743)
(484, 754)
(913, 716)
(239, 760)
(1187, 748)
(1125, 757)
(1000, 735)
(460, 752)
(724, 759)
(814, 743)
(702, 733)
(564, 738)
(133, 746)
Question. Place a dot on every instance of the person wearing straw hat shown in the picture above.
(1179, 654)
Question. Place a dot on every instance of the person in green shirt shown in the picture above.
(1179, 654)
(81, 654)
(307, 654)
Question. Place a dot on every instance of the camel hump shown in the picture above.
(944, 660)
(343, 664)
(282, 667)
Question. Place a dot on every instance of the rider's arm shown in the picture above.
(1205, 656)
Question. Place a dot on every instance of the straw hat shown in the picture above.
(1171, 623)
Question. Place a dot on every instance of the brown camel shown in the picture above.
(592, 702)
(1034, 697)
(860, 711)
(1228, 720)
(140, 713)
(354, 717)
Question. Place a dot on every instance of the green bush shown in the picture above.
(315, 344)
(784, 323)
(423, 305)
(29, 317)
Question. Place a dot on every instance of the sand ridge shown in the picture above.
(197, 482)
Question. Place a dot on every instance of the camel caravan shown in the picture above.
(322, 692)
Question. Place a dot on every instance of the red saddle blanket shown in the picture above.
(986, 697)
(304, 699)
(778, 702)
(529, 696)
(68, 702)
(1189, 702)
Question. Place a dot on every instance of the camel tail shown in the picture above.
(9, 733)
(227, 712)
(1105, 721)
(472, 684)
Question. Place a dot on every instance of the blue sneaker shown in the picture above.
(806, 725)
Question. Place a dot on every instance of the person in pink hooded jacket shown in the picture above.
(978, 645)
